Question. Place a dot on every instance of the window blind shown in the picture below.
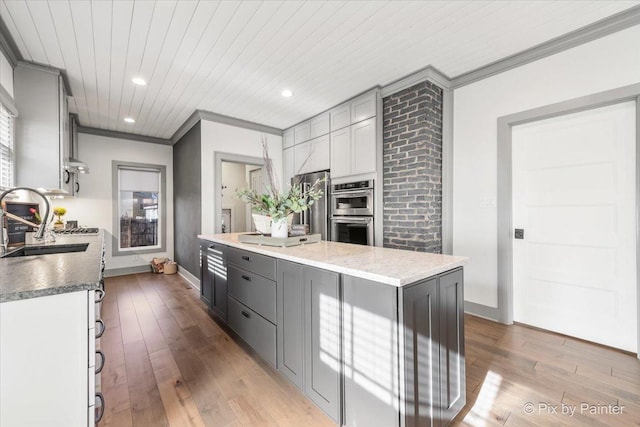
(6, 148)
(143, 180)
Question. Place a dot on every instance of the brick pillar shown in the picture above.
(412, 128)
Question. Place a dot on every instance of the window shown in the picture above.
(139, 208)
(6, 148)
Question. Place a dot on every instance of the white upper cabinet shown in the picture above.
(301, 158)
(320, 125)
(288, 138)
(312, 156)
(362, 108)
(302, 132)
(320, 153)
(363, 147)
(353, 149)
(340, 152)
(288, 160)
(340, 117)
(42, 129)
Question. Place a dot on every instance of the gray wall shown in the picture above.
(187, 191)
(412, 157)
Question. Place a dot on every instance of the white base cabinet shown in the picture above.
(47, 361)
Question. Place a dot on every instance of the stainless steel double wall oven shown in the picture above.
(352, 210)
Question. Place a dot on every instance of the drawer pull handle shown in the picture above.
(101, 295)
(99, 409)
(102, 360)
(304, 239)
(102, 328)
(246, 258)
(247, 278)
(245, 314)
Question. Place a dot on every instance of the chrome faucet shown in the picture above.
(43, 224)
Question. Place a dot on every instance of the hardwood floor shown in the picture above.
(170, 364)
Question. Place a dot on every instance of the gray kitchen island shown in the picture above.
(373, 336)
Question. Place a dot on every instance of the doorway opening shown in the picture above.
(233, 172)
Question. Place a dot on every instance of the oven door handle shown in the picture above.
(358, 193)
(343, 219)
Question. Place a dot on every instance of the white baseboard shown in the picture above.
(480, 310)
(193, 280)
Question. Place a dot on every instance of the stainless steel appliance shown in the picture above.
(352, 229)
(352, 206)
(316, 217)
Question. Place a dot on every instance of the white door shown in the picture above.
(574, 196)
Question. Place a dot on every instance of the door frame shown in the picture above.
(505, 183)
(218, 158)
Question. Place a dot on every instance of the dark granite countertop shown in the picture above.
(41, 275)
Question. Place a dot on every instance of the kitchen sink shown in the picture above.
(46, 249)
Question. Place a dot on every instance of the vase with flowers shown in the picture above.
(59, 212)
(277, 206)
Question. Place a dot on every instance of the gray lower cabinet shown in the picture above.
(252, 300)
(291, 321)
(451, 339)
(322, 340)
(213, 277)
(417, 366)
(433, 323)
(309, 327)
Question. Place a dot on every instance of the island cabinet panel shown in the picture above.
(451, 338)
(421, 354)
(213, 277)
(255, 330)
(370, 353)
(255, 263)
(254, 291)
(322, 340)
(291, 321)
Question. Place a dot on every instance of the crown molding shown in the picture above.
(604, 27)
(185, 127)
(429, 72)
(8, 45)
(123, 135)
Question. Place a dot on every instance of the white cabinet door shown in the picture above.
(340, 117)
(363, 108)
(301, 158)
(320, 125)
(320, 158)
(289, 167)
(341, 153)
(43, 361)
(363, 147)
(302, 132)
(288, 138)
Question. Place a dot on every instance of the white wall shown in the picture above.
(6, 74)
(94, 205)
(600, 65)
(217, 137)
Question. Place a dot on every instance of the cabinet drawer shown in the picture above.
(258, 332)
(255, 263)
(254, 291)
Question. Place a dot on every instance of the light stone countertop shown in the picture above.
(41, 275)
(390, 266)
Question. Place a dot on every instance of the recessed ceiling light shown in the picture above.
(139, 81)
(287, 93)
(129, 120)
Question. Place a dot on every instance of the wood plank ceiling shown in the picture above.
(235, 58)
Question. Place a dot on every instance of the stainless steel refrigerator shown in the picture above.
(317, 216)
